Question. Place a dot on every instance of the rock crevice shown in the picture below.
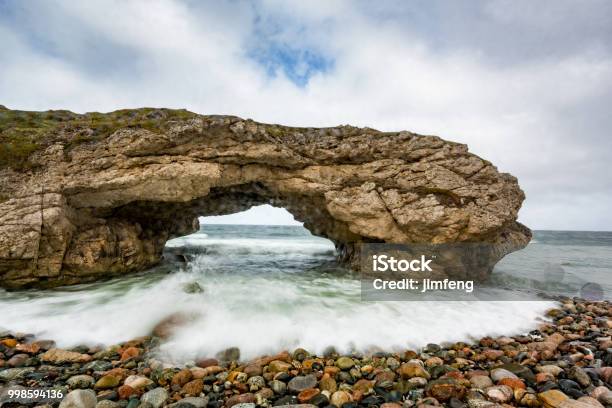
(98, 195)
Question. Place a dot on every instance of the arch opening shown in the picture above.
(134, 236)
(270, 235)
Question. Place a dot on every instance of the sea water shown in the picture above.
(265, 289)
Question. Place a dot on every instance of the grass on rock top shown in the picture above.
(23, 133)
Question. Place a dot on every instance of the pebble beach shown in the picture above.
(566, 362)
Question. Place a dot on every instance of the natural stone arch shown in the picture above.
(92, 204)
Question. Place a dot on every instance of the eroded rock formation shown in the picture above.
(89, 196)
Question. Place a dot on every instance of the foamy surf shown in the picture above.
(272, 288)
(259, 316)
(262, 290)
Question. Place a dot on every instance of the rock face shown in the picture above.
(84, 197)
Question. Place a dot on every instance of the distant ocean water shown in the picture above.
(569, 263)
(267, 288)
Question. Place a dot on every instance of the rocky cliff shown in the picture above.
(88, 196)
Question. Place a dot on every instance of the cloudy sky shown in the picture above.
(526, 84)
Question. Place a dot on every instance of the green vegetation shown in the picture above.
(277, 131)
(23, 133)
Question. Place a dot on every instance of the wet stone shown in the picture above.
(278, 387)
(286, 400)
(155, 397)
(234, 400)
(580, 376)
(445, 389)
(499, 393)
(80, 381)
(552, 398)
(98, 365)
(107, 381)
(339, 398)
(300, 383)
(300, 354)
(481, 381)
(345, 363)
(499, 373)
(79, 399)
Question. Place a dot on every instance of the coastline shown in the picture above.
(564, 363)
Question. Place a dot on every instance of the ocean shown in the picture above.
(269, 288)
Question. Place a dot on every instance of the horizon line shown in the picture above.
(293, 225)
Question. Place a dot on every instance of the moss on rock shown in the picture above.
(23, 133)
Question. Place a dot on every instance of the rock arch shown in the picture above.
(99, 194)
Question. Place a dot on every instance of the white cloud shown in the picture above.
(539, 118)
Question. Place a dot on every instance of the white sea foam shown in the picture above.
(260, 317)
(233, 246)
(258, 309)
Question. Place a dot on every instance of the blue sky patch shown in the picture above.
(297, 64)
(276, 44)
